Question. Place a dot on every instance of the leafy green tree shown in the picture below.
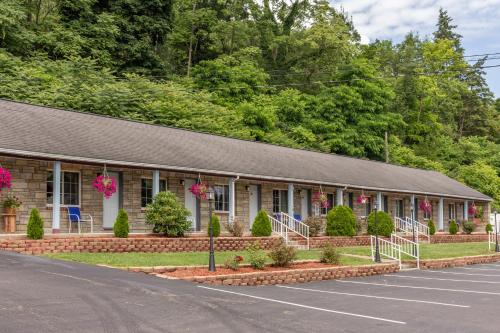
(121, 227)
(384, 225)
(167, 215)
(261, 226)
(341, 221)
(35, 225)
(215, 226)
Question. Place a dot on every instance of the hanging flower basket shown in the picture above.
(105, 185)
(5, 178)
(199, 190)
(362, 199)
(320, 199)
(426, 207)
(472, 209)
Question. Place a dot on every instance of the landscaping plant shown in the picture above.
(341, 221)
(11, 201)
(234, 262)
(257, 256)
(236, 228)
(261, 225)
(316, 225)
(330, 255)
(432, 227)
(282, 255)
(121, 227)
(453, 227)
(469, 227)
(35, 225)
(167, 215)
(215, 226)
(489, 228)
(384, 221)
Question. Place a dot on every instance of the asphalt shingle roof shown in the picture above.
(36, 131)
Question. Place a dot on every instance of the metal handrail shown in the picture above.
(296, 226)
(387, 248)
(408, 247)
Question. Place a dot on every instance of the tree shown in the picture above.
(341, 221)
(167, 215)
(121, 227)
(384, 225)
(35, 225)
(215, 226)
(445, 30)
(261, 226)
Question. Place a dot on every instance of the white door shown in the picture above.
(190, 201)
(111, 205)
(304, 205)
(253, 203)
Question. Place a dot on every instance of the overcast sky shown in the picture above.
(478, 22)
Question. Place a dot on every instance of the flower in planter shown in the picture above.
(5, 178)
(472, 209)
(199, 190)
(12, 201)
(321, 199)
(105, 184)
(362, 199)
(426, 206)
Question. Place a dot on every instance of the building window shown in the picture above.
(400, 208)
(70, 188)
(452, 211)
(368, 206)
(147, 190)
(221, 198)
(280, 201)
(386, 203)
(351, 200)
(330, 199)
(428, 214)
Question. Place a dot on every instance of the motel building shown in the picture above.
(54, 156)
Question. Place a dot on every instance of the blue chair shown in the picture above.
(75, 216)
(298, 217)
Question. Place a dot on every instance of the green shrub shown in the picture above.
(316, 225)
(261, 226)
(489, 228)
(167, 215)
(256, 256)
(121, 228)
(432, 227)
(341, 221)
(236, 228)
(215, 226)
(234, 262)
(282, 255)
(453, 228)
(330, 255)
(385, 224)
(469, 227)
(35, 225)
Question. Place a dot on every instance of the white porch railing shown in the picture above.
(279, 228)
(401, 225)
(407, 224)
(492, 240)
(284, 224)
(386, 248)
(422, 229)
(407, 247)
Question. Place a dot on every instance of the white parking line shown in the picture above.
(306, 306)
(418, 287)
(439, 279)
(458, 273)
(480, 269)
(378, 297)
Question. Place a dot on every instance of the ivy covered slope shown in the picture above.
(286, 72)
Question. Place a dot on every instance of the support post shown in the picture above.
(441, 214)
(290, 200)
(380, 204)
(466, 210)
(340, 197)
(412, 207)
(156, 182)
(232, 194)
(56, 204)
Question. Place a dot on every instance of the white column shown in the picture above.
(340, 197)
(466, 210)
(290, 200)
(412, 206)
(56, 194)
(156, 182)
(232, 194)
(441, 214)
(379, 202)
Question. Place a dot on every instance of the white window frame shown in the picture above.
(225, 201)
(454, 210)
(62, 188)
(324, 211)
(397, 202)
(150, 178)
(280, 197)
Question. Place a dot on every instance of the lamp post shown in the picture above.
(497, 248)
(211, 256)
(377, 249)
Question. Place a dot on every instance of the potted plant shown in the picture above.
(320, 199)
(5, 178)
(10, 205)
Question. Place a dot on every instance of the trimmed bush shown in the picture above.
(257, 256)
(121, 228)
(234, 262)
(35, 225)
(469, 227)
(432, 227)
(341, 221)
(282, 255)
(330, 255)
(453, 228)
(236, 228)
(316, 225)
(385, 224)
(167, 215)
(215, 226)
(261, 226)
(489, 228)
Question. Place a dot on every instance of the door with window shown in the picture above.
(253, 203)
(191, 202)
(400, 208)
(111, 205)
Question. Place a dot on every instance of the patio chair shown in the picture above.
(75, 216)
(298, 217)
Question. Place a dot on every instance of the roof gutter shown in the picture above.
(154, 166)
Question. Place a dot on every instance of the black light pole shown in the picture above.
(497, 248)
(211, 256)
(377, 250)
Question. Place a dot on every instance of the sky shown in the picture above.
(478, 22)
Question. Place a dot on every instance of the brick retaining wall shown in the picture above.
(162, 244)
(458, 262)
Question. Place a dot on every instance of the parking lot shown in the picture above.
(44, 295)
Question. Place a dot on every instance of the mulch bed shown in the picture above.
(198, 271)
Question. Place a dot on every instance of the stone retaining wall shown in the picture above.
(458, 262)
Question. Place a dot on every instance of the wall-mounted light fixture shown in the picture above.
(182, 182)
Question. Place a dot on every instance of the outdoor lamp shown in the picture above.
(211, 257)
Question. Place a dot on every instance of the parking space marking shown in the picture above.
(480, 269)
(419, 287)
(305, 306)
(459, 273)
(438, 279)
(377, 297)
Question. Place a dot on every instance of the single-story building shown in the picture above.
(54, 155)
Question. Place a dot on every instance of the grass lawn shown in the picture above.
(178, 258)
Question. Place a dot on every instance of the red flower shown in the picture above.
(321, 199)
(238, 258)
(362, 199)
(472, 209)
(426, 206)
(105, 184)
(5, 178)
(199, 190)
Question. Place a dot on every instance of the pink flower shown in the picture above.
(426, 206)
(199, 190)
(472, 209)
(321, 199)
(5, 178)
(362, 199)
(105, 185)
